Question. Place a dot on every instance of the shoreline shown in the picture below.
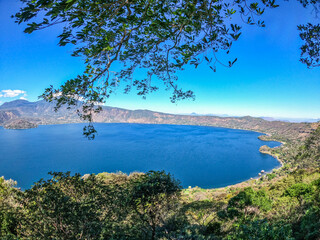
(262, 174)
(242, 129)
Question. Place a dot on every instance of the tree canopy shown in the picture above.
(159, 38)
(153, 206)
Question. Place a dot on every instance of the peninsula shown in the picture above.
(19, 124)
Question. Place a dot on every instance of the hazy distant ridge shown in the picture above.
(42, 112)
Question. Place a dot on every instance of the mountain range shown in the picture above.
(42, 113)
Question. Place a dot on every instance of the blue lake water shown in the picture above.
(196, 155)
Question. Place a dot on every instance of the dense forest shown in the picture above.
(284, 204)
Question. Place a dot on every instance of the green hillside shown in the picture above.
(284, 204)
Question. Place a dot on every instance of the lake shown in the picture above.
(196, 155)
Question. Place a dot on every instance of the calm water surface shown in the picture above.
(198, 156)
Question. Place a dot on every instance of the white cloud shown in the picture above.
(23, 98)
(12, 93)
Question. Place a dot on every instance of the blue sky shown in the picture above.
(267, 80)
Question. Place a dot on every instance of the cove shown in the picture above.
(202, 156)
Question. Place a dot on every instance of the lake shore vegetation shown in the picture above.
(283, 204)
(162, 38)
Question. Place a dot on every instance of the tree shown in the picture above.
(64, 207)
(299, 191)
(247, 203)
(263, 230)
(154, 197)
(103, 206)
(8, 223)
(158, 37)
(310, 34)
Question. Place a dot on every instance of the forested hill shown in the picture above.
(42, 112)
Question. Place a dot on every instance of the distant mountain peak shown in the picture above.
(19, 101)
(15, 103)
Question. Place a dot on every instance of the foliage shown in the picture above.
(8, 219)
(64, 207)
(247, 203)
(310, 51)
(158, 37)
(149, 206)
(152, 206)
(308, 155)
(299, 190)
(90, 207)
(271, 176)
(155, 38)
(263, 230)
(154, 197)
